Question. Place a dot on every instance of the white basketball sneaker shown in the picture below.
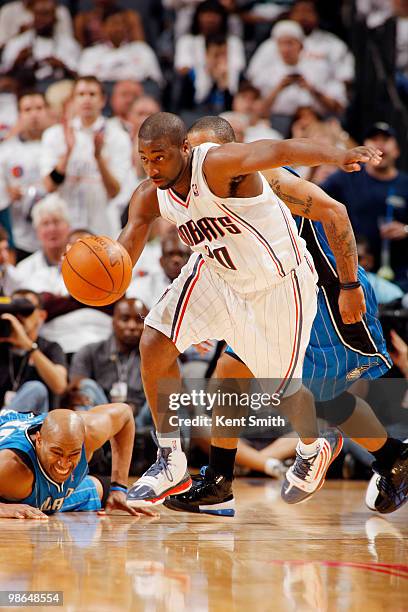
(307, 474)
(168, 476)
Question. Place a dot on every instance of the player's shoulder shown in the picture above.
(144, 199)
(16, 478)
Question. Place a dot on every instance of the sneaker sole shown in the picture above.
(181, 487)
(222, 509)
(323, 480)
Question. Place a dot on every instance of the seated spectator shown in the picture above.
(109, 371)
(124, 94)
(322, 45)
(118, 57)
(191, 56)
(385, 291)
(33, 371)
(295, 80)
(73, 325)
(9, 277)
(51, 222)
(17, 17)
(89, 28)
(247, 101)
(20, 177)
(174, 255)
(87, 160)
(377, 202)
(42, 53)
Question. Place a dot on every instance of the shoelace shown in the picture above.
(303, 465)
(161, 464)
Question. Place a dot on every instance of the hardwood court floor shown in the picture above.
(329, 554)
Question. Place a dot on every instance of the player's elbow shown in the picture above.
(334, 211)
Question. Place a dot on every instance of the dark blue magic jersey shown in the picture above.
(47, 495)
(338, 354)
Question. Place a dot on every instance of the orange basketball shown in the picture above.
(97, 270)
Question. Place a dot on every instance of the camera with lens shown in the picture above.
(19, 307)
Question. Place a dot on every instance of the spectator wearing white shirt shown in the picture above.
(42, 53)
(293, 80)
(210, 19)
(322, 45)
(41, 272)
(17, 16)
(51, 222)
(247, 101)
(87, 159)
(120, 58)
(9, 276)
(20, 176)
(124, 93)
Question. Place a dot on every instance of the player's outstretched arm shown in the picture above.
(113, 422)
(16, 482)
(308, 200)
(143, 210)
(233, 159)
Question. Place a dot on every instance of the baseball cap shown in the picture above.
(380, 128)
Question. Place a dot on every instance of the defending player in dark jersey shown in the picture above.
(44, 461)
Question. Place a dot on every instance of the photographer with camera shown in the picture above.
(32, 370)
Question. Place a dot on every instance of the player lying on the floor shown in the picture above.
(360, 349)
(44, 461)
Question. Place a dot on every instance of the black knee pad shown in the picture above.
(337, 410)
(105, 482)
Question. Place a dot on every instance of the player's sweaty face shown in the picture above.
(60, 455)
(162, 162)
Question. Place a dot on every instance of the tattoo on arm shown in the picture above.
(304, 205)
(344, 248)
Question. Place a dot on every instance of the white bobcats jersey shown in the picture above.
(250, 242)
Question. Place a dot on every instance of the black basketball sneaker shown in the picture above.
(209, 494)
(388, 489)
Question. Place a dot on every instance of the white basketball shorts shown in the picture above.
(269, 330)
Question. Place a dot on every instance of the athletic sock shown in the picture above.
(222, 461)
(308, 450)
(389, 452)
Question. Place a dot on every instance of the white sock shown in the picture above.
(171, 439)
(308, 450)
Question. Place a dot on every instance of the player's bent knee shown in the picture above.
(338, 410)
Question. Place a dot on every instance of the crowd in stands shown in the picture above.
(77, 80)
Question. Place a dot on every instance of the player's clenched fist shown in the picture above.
(352, 305)
(350, 160)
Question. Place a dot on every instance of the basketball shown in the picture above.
(97, 270)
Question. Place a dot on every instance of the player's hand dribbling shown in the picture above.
(351, 160)
(21, 511)
(117, 501)
(352, 305)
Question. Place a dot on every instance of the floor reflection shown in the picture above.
(329, 554)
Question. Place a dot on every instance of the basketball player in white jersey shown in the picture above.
(249, 281)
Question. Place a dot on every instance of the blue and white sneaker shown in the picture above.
(168, 476)
(210, 494)
(307, 474)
